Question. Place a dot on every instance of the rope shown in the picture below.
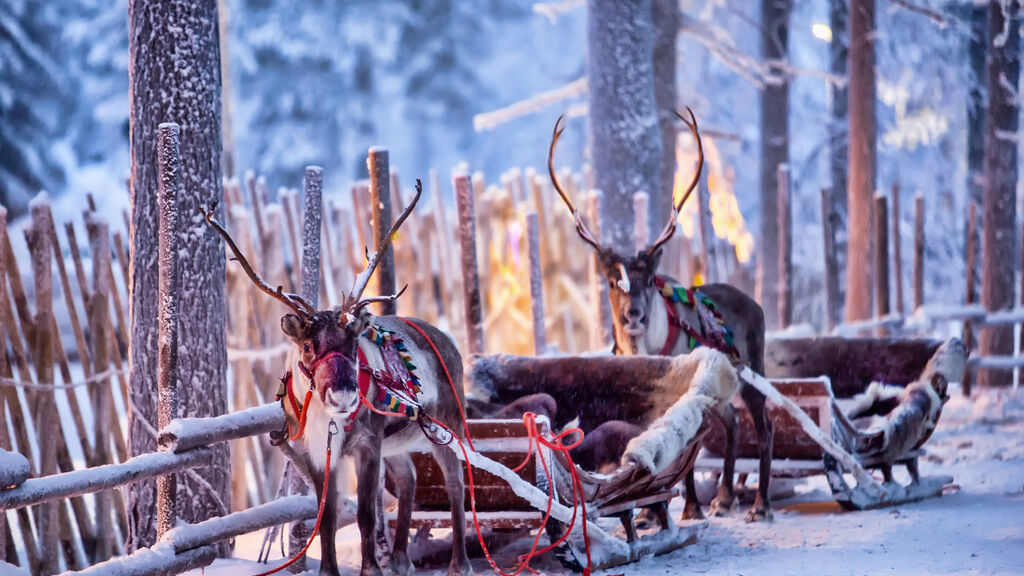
(11, 382)
(455, 394)
(578, 500)
(320, 512)
(302, 418)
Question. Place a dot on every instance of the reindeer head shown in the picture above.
(630, 278)
(326, 340)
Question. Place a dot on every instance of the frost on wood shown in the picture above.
(160, 560)
(68, 484)
(311, 234)
(187, 433)
(280, 511)
(14, 469)
(624, 129)
(536, 283)
(167, 311)
(470, 275)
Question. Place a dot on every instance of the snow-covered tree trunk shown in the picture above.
(976, 50)
(666, 19)
(624, 131)
(839, 16)
(861, 183)
(999, 236)
(774, 152)
(174, 67)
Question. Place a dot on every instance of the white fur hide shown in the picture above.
(711, 380)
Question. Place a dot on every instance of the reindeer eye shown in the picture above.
(306, 348)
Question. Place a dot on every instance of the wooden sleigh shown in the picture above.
(507, 500)
(836, 384)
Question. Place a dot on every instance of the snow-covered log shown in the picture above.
(289, 509)
(156, 561)
(184, 434)
(57, 486)
(14, 469)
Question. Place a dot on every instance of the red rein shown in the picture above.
(323, 501)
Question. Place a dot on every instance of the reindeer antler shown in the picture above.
(354, 301)
(670, 226)
(297, 303)
(581, 227)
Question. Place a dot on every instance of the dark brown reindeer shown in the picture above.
(646, 321)
(332, 349)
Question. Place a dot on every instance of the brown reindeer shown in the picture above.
(646, 322)
(326, 360)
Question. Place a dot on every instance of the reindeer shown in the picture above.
(646, 322)
(336, 414)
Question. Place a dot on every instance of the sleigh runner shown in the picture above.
(875, 401)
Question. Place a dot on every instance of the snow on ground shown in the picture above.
(976, 528)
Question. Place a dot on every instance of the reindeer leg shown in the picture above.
(328, 524)
(691, 509)
(404, 475)
(454, 484)
(757, 404)
(368, 470)
(725, 501)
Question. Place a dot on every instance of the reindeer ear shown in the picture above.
(293, 326)
(355, 325)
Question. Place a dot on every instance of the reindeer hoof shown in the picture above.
(759, 515)
(692, 511)
(370, 571)
(400, 565)
(461, 570)
(722, 507)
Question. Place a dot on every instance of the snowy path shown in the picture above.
(978, 529)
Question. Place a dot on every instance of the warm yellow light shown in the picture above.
(822, 32)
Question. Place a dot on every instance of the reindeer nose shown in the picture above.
(634, 313)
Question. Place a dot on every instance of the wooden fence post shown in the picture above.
(785, 231)
(704, 232)
(970, 295)
(380, 205)
(313, 200)
(470, 276)
(897, 257)
(881, 260)
(44, 409)
(536, 282)
(284, 196)
(918, 250)
(831, 266)
(167, 312)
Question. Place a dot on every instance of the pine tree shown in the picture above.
(861, 184)
(175, 76)
(999, 229)
(625, 139)
(32, 103)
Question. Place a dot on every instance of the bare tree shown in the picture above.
(861, 183)
(175, 76)
(999, 235)
(774, 151)
(839, 21)
(667, 19)
(976, 50)
(626, 143)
